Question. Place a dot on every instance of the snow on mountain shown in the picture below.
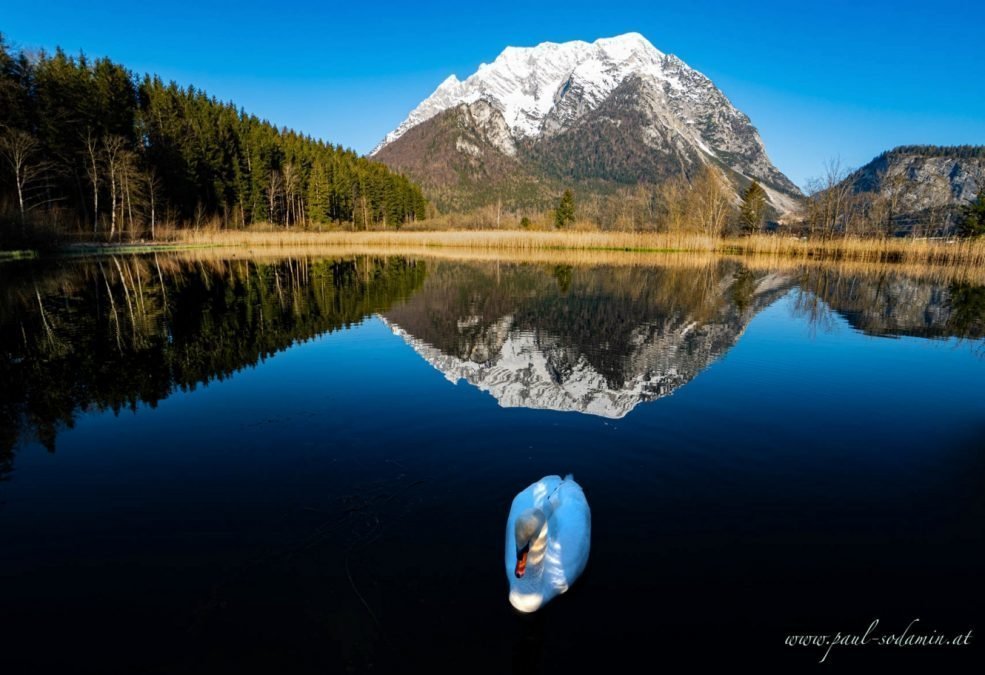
(526, 83)
(448, 94)
(525, 374)
(648, 108)
(531, 366)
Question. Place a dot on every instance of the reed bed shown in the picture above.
(876, 250)
(517, 240)
(965, 252)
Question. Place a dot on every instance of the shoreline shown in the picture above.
(890, 251)
(18, 254)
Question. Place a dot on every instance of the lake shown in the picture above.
(305, 464)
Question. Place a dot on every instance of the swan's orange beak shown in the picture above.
(521, 564)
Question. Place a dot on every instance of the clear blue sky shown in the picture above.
(820, 80)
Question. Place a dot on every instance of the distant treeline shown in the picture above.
(86, 145)
(948, 151)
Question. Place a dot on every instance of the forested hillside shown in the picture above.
(88, 146)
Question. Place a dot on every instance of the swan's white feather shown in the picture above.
(567, 546)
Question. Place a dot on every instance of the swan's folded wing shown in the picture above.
(535, 495)
(571, 535)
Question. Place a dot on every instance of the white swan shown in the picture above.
(548, 535)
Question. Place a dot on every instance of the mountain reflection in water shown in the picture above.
(585, 340)
(117, 332)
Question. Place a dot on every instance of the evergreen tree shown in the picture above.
(319, 194)
(564, 214)
(752, 211)
(973, 222)
(121, 153)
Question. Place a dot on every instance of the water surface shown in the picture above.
(305, 465)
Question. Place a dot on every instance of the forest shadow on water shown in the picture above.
(305, 464)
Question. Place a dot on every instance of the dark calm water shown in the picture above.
(305, 465)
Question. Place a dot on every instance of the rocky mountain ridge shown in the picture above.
(616, 111)
(923, 177)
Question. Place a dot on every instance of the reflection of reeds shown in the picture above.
(584, 257)
(869, 250)
(852, 268)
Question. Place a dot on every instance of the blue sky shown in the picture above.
(820, 80)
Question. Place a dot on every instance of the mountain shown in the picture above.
(926, 182)
(593, 341)
(597, 115)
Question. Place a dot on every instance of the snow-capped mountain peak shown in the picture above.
(526, 83)
(616, 110)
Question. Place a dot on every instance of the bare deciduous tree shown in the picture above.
(830, 207)
(292, 196)
(274, 190)
(711, 201)
(153, 189)
(895, 187)
(20, 150)
(674, 204)
(114, 148)
(93, 169)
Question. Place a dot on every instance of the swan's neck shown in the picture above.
(538, 546)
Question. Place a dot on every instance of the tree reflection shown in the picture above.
(115, 333)
(966, 304)
(123, 331)
(887, 303)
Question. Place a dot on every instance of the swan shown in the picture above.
(548, 535)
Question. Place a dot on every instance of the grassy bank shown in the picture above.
(17, 255)
(136, 247)
(967, 252)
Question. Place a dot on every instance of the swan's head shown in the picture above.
(526, 528)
